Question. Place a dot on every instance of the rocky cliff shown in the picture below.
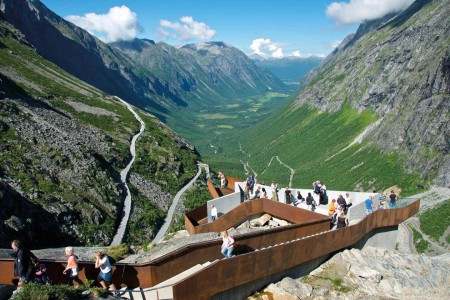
(63, 145)
(371, 273)
(399, 68)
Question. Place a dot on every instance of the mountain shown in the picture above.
(86, 57)
(373, 115)
(399, 68)
(204, 73)
(157, 77)
(63, 146)
(289, 69)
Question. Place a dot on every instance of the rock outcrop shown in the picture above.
(371, 273)
(398, 67)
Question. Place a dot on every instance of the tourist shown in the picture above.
(309, 201)
(274, 187)
(369, 205)
(23, 262)
(227, 244)
(332, 207)
(392, 199)
(214, 213)
(263, 193)
(323, 194)
(342, 220)
(300, 199)
(247, 191)
(71, 270)
(381, 205)
(288, 195)
(251, 181)
(342, 203)
(348, 201)
(105, 275)
(40, 275)
(316, 187)
(222, 180)
(257, 193)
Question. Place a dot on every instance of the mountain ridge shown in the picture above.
(403, 76)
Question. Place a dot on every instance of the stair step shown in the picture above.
(167, 292)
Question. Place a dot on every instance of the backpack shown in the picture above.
(325, 199)
(317, 189)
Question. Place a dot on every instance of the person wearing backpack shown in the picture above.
(227, 245)
(23, 262)
(71, 270)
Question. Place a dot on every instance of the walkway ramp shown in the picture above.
(163, 290)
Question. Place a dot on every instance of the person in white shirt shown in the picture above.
(213, 213)
(105, 275)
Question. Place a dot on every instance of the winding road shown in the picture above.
(117, 240)
(162, 232)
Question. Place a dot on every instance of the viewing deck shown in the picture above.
(197, 271)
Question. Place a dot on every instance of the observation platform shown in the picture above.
(198, 271)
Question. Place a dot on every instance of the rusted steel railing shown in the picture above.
(246, 210)
(227, 274)
(258, 257)
(166, 266)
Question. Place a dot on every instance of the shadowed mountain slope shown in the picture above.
(63, 145)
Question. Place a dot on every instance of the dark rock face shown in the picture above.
(397, 67)
(22, 219)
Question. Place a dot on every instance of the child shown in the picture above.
(40, 275)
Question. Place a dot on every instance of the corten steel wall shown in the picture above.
(212, 189)
(231, 181)
(148, 274)
(250, 208)
(228, 273)
(132, 275)
(221, 276)
(194, 218)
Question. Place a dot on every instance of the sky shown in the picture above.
(269, 28)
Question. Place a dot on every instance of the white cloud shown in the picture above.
(188, 29)
(357, 11)
(296, 54)
(120, 23)
(266, 48)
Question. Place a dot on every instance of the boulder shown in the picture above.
(261, 221)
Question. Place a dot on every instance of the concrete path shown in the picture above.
(162, 232)
(117, 240)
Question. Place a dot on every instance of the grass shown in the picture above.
(216, 116)
(33, 291)
(309, 141)
(420, 244)
(435, 221)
